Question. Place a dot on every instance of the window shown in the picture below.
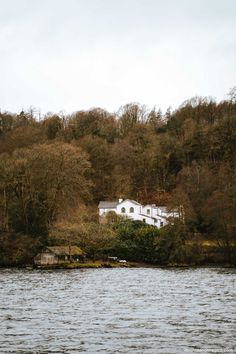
(148, 211)
(162, 223)
(123, 210)
(131, 210)
(144, 220)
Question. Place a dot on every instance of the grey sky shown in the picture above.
(77, 54)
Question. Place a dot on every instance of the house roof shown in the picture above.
(162, 216)
(113, 204)
(163, 208)
(66, 250)
(154, 217)
(130, 200)
(168, 210)
(107, 204)
(147, 216)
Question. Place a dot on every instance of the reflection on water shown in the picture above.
(118, 311)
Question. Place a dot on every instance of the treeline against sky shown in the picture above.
(51, 166)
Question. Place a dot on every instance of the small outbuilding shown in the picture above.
(59, 254)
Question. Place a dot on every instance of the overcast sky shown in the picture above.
(77, 54)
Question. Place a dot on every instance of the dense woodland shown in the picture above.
(54, 170)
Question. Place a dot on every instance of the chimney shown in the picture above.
(120, 200)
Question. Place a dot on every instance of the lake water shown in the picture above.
(139, 310)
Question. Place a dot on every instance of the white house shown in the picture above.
(130, 209)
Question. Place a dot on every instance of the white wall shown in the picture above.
(140, 213)
(127, 204)
(147, 208)
(104, 211)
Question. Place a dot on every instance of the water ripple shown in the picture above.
(117, 311)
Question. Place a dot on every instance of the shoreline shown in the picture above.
(115, 265)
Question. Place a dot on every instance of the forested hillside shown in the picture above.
(55, 169)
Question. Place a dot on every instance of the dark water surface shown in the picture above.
(140, 310)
